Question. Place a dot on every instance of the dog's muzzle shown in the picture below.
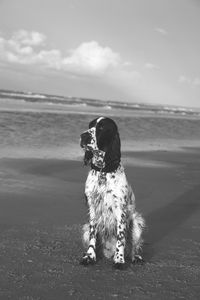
(88, 139)
(85, 139)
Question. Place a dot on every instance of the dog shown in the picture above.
(114, 222)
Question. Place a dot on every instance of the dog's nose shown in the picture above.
(85, 139)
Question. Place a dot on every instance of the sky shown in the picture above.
(122, 50)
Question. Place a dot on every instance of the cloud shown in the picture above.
(189, 81)
(32, 38)
(49, 58)
(19, 48)
(91, 57)
(88, 58)
(161, 30)
(196, 81)
(184, 79)
(151, 66)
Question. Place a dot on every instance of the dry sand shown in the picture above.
(41, 211)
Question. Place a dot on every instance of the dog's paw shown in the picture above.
(138, 259)
(87, 260)
(120, 266)
(118, 258)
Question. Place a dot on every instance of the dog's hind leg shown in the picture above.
(137, 226)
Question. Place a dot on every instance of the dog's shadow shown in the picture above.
(166, 219)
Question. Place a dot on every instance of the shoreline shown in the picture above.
(73, 152)
(7, 105)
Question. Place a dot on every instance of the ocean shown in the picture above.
(55, 132)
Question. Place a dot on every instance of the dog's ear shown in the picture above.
(87, 157)
(113, 152)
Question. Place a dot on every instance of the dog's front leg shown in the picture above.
(121, 239)
(90, 256)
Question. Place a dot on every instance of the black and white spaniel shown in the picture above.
(113, 221)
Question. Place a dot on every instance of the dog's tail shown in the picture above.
(86, 235)
(109, 247)
(138, 226)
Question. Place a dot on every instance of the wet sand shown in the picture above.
(42, 209)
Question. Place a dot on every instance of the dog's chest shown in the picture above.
(105, 194)
(96, 189)
(101, 203)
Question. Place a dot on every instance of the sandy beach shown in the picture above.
(41, 212)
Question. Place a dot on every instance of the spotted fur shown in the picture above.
(113, 219)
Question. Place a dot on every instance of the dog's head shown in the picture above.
(101, 143)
